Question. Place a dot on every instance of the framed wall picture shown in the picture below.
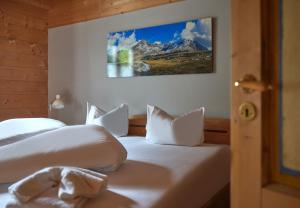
(178, 48)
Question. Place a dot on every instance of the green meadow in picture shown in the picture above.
(178, 48)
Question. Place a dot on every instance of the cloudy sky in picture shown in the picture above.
(198, 30)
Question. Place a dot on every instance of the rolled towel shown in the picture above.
(59, 187)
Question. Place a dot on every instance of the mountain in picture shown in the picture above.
(179, 48)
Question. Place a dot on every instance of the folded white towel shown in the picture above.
(57, 187)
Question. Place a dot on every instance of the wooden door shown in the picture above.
(246, 142)
(255, 49)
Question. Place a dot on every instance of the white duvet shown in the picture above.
(17, 129)
(85, 146)
(161, 176)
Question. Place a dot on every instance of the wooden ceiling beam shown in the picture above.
(64, 12)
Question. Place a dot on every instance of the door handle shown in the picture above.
(250, 84)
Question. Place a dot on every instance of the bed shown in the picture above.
(165, 175)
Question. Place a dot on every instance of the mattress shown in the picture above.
(162, 176)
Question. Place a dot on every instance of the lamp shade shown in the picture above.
(58, 103)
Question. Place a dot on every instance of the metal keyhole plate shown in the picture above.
(247, 111)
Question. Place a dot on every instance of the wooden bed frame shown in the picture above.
(216, 130)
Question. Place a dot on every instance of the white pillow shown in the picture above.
(186, 130)
(17, 129)
(115, 121)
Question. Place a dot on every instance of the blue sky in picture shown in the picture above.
(163, 33)
(199, 30)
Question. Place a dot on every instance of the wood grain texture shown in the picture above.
(270, 108)
(23, 74)
(246, 136)
(8, 101)
(22, 113)
(15, 32)
(63, 12)
(13, 46)
(216, 130)
(278, 196)
(38, 3)
(23, 59)
(137, 125)
(23, 8)
(12, 17)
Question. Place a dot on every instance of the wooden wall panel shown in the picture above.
(22, 113)
(63, 12)
(23, 87)
(38, 3)
(12, 46)
(15, 18)
(17, 32)
(8, 101)
(23, 74)
(23, 59)
(22, 8)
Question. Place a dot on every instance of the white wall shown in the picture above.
(77, 65)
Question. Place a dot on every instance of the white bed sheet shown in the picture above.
(163, 176)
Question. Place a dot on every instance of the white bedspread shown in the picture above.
(163, 176)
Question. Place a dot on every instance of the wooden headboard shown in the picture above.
(216, 130)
